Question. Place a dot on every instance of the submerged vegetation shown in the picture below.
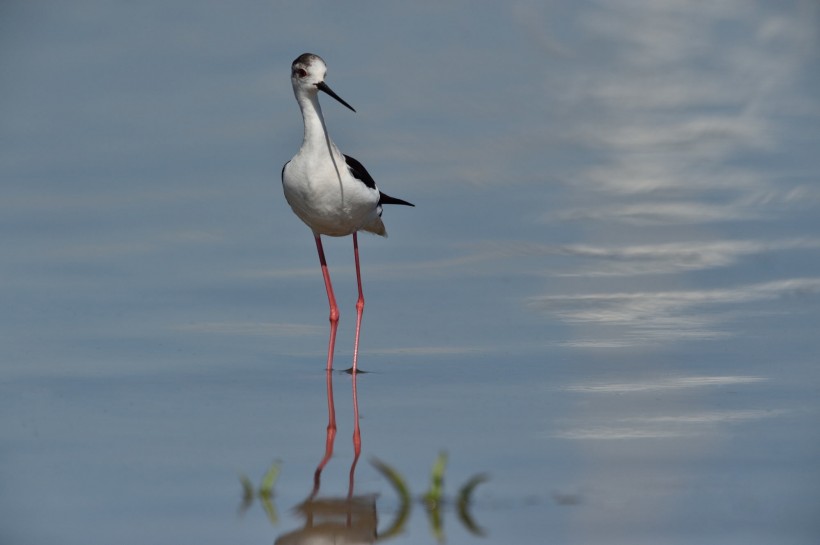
(434, 500)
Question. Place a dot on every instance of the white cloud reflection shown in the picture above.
(614, 426)
(686, 92)
(686, 111)
(676, 257)
(591, 260)
(662, 213)
(660, 316)
(662, 384)
(666, 426)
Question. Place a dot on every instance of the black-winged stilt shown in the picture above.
(331, 192)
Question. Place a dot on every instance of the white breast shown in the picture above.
(327, 197)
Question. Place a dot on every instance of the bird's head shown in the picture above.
(307, 74)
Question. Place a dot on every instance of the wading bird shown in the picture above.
(331, 192)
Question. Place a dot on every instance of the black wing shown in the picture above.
(360, 173)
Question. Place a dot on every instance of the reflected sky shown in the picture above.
(606, 296)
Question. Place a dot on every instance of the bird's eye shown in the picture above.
(300, 72)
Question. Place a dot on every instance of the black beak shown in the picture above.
(322, 86)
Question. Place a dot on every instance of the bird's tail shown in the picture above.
(376, 227)
(387, 199)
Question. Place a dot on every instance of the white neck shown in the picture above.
(317, 141)
(315, 130)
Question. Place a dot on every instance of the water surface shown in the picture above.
(605, 299)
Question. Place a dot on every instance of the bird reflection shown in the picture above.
(351, 519)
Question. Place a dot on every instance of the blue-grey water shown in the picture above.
(606, 299)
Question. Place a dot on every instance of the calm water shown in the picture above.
(606, 300)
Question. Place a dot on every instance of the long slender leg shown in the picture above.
(359, 302)
(331, 299)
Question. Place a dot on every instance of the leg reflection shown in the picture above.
(330, 436)
(357, 437)
(329, 519)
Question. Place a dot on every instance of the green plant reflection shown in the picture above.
(354, 518)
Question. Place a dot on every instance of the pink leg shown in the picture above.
(331, 299)
(359, 302)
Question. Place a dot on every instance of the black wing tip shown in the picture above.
(361, 174)
(387, 199)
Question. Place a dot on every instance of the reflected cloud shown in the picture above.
(669, 315)
(676, 256)
(661, 213)
(637, 259)
(666, 426)
(663, 384)
(678, 101)
(797, 195)
(705, 136)
(671, 174)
